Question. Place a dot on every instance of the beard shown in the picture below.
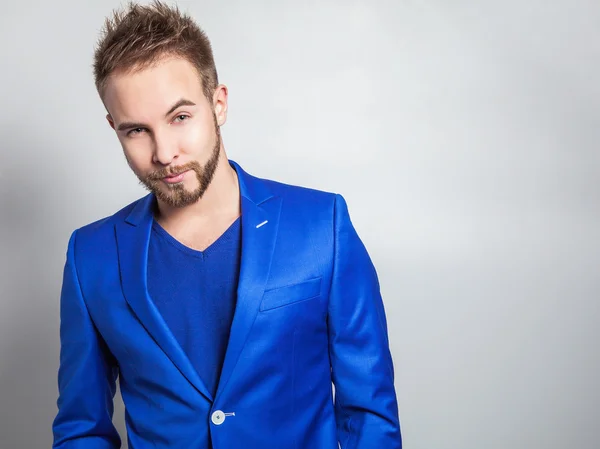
(176, 195)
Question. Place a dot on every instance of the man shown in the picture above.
(225, 304)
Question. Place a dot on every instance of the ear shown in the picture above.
(220, 104)
(110, 121)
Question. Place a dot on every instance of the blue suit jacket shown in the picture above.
(309, 313)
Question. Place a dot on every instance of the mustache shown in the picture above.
(159, 174)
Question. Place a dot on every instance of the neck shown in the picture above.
(221, 198)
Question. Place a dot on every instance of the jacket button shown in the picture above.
(218, 418)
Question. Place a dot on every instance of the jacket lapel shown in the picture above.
(260, 223)
(133, 236)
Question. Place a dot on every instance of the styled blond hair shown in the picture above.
(139, 36)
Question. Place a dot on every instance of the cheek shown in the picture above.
(138, 156)
(198, 138)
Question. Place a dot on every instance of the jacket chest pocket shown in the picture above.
(291, 294)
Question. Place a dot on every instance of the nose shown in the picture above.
(165, 150)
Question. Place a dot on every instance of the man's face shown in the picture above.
(168, 129)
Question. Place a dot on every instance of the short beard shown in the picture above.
(177, 195)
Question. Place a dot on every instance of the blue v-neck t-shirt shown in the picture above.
(195, 292)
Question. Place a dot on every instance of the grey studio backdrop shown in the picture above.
(464, 135)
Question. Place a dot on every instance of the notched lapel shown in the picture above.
(133, 238)
(260, 223)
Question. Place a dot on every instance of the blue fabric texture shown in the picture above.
(195, 292)
(308, 313)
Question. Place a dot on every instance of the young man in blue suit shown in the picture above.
(226, 304)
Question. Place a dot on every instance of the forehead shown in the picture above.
(149, 92)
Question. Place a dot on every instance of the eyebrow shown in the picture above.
(181, 102)
(132, 125)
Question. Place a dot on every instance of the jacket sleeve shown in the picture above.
(366, 408)
(87, 373)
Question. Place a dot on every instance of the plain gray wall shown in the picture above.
(464, 135)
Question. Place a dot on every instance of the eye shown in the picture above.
(135, 131)
(181, 118)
